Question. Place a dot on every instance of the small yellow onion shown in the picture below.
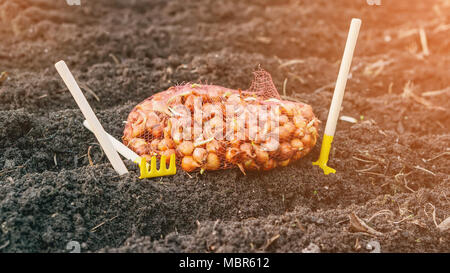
(168, 129)
(297, 155)
(157, 131)
(269, 165)
(314, 133)
(212, 162)
(307, 140)
(199, 93)
(231, 155)
(138, 145)
(290, 127)
(260, 155)
(283, 119)
(300, 132)
(177, 137)
(249, 164)
(214, 96)
(306, 150)
(297, 144)
(152, 120)
(235, 142)
(284, 163)
(214, 147)
(189, 164)
(154, 144)
(288, 108)
(185, 148)
(247, 149)
(285, 151)
(299, 121)
(271, 144)
(283, 133)
(166, 144)
(175, 100)
(260, 137)
(200, 155)
(307, 112)
(137, 129)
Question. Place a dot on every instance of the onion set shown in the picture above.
(167, 123)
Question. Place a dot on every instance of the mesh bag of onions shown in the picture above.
(210, 127)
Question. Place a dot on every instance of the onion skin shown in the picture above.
(189, 164)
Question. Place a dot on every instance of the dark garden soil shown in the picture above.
(393, 165)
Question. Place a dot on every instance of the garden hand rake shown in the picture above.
(141, 161)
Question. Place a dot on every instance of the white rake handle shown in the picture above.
(118, 146)
(341, 81)
(90, 116)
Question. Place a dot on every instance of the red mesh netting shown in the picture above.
(262, 85)
(211, 127)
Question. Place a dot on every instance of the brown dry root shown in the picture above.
(150, 129)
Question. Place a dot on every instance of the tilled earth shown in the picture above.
(393, 165)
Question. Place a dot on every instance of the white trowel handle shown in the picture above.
(342, 77)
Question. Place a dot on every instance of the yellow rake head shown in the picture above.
(163, 171)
